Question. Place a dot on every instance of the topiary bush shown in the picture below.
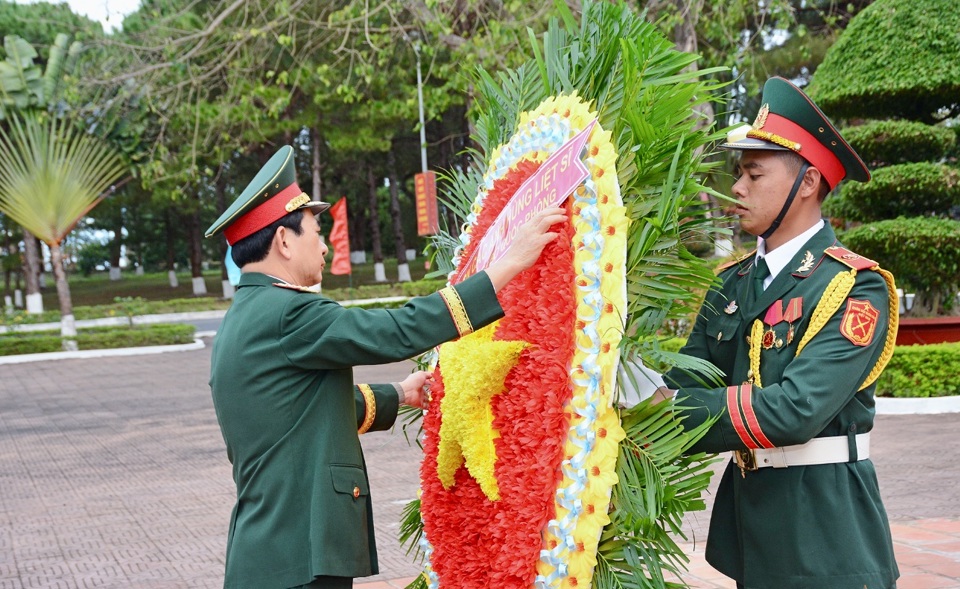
(896, 58)
(921, 371)
(922, 253)
(883, 143)
(911, 190)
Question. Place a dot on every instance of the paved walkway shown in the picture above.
(113, 475)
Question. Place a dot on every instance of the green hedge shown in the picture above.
(910, 190)
(914, 371)
(883, 143)
(97, 338)
(134, 306)
(923, 253)
(922, 371)
(896, 59)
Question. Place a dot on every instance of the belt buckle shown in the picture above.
(746, 460)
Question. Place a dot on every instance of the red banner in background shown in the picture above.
(425, 187)
(340, 239)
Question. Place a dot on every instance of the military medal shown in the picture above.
(769, 338)
(793, 312)
(731, 308)
(774, 315)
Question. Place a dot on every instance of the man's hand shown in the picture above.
(531, 238)
(416, 389)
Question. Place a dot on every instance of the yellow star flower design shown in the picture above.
(473, 369)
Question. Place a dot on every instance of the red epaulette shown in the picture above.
(734, 262)
(848, 258)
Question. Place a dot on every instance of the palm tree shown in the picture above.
(51, 175)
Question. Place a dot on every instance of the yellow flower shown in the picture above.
(473, 370)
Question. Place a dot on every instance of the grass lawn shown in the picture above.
(98, 289)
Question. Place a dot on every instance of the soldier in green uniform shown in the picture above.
(283, 389)
(801, 328)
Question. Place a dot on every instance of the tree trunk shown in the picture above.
(315, 168)
(359, 222)
(196, 253)
(225, 286)
(68, 327)
(116, 245)
(31, 272)
(403, 269)
(171, 253)
(10, 250)
(379, 274)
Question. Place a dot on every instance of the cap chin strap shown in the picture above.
(786, 206)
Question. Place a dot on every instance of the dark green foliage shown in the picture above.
(922, 371)
(922, 253)
(882, 143)
(907, 189)
(897, 58)
(97, 338)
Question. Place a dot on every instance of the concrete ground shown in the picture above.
(113, 475)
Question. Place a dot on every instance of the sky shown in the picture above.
(110, 13)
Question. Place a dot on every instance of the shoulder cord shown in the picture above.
(893, 325)
(834, 295)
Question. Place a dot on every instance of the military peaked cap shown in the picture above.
(789, 120)
(271, 194)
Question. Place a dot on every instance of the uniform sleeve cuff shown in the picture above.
(401, 396)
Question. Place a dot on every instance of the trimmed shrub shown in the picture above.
(911, 190)
(922, 253)
(897, 58)
(922, 371)
(97, 338)
(914, 371)
(883, 143)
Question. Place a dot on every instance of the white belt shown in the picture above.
(817, 451)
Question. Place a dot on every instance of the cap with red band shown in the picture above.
(271, 194)
(789, 120)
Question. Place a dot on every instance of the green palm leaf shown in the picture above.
(51, 175)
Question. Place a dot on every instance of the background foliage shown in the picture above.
(923, 253)
(897, 59)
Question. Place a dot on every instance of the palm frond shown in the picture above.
(411, 529)
(52, 174)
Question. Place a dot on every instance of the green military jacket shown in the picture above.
(800, 527)
(282, 384)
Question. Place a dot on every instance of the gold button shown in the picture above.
(356, 492)
(719, 335)
(821, 129)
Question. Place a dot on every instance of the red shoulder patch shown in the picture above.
(848, 258)
(859, 322)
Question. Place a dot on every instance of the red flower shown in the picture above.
(479, 543)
